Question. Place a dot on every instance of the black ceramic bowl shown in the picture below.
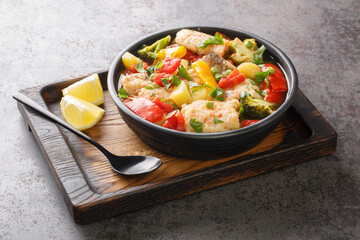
(203, 145)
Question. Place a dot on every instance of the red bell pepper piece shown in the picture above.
(275, 97)
(277, 88)
(248, 122)
(145, 108)
(165, 107)
(232, 79)
(170, 64)
(176, 121)
(277, 80)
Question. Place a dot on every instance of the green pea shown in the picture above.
(249, 44)
(271, 70)
(214, 70)
(228, 72)
(218, 76)
(210, 104)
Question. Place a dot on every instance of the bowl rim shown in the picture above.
(270, 47)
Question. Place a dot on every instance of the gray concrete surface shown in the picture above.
(43, 41)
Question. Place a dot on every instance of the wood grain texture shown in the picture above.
(93, 191)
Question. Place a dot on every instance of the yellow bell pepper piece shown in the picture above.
(177, 52)
(203, 71)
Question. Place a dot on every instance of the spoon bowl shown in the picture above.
(125, 165)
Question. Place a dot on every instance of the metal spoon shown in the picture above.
(126, 165)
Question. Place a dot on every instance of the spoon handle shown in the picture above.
(52, 117)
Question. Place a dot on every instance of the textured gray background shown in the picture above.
(44, 41)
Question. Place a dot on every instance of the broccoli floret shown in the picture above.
(257, 108)
(149, 52)
(241, 52)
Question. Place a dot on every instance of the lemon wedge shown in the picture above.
(88, 89)
(79, 113)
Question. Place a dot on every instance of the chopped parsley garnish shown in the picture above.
(150, 87)
(194, 84)
(151, 69)
(213, 40)
(140, 67)
(152, 76)
(196, 125)
(194, 90)
(241, 111)
(261, 93)
(175, 80)
(216, 121)
(194, 87)
(217, 94)
(166, 82)
(172, 104)
(261, 76)
(184, 73)
(258, 55)
(122, 93)
(210, 104)
(244, 94)
(248, 87)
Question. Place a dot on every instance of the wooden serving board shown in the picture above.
(93, 191)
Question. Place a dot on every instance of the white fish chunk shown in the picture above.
(191, 39)
(224, 111)
(234, 93)
(133, 83)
